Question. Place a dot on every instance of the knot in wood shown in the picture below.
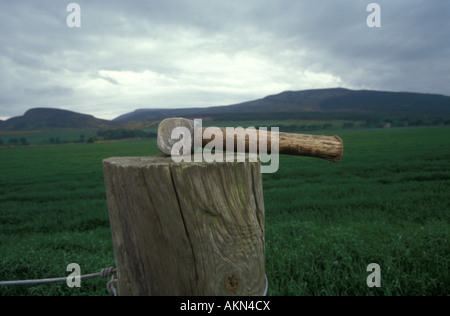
(232, 283)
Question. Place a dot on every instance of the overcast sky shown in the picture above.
(193, 53)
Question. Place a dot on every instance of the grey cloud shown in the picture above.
(55, 91)
(106, 78)
(43, 60)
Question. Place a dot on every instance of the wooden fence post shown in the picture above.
(186, 228)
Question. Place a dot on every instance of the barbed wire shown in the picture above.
(104, 273)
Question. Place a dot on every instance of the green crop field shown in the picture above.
(386, 202)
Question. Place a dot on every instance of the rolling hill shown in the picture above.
(47, 118)
(320, 104)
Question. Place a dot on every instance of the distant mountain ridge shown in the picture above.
(336, 103)
(288, 101)
(330, 101)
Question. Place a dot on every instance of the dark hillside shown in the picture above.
(389, 103)
(312, 104)
(47, 118)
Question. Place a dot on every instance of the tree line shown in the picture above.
(116, 134)
(15, 142)
(100, 135)
(374, 122)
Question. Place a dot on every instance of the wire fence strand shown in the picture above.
(107, 272)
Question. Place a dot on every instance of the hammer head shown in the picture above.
(165, 128)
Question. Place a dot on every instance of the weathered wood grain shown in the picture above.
(330, 148)
(186, 228)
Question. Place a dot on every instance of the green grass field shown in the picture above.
(387, 202)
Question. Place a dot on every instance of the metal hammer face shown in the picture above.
(325, 147)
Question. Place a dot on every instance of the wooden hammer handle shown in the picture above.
(326, 147)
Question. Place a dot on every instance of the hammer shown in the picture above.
(325, 147)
